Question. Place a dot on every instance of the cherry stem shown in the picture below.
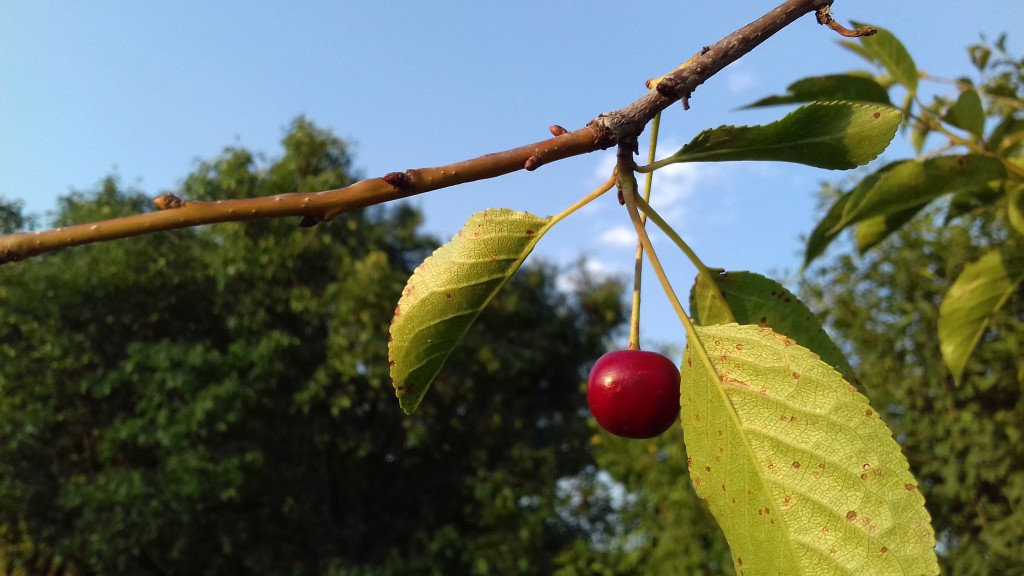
(627, 184)
(595, 193)
(638, 263)
(704, 271)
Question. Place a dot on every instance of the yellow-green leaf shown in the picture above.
(799, 470)
(834, 87)
(883, 47)
(833, 135)
(1015, 207)
(968, 113)
(825, 232)
(978, 293)
(873, 230)
(756, 299)
(448, 291)
(906, 184)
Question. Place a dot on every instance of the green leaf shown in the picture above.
(857, 49)
(448, 291)
(822, 235)
(903, 185)
(884, 48)
(977, 199)
(755, 299)
(908, 105)
(968, 113)
(979, 54)
(846, 87)
(1015, 207)
(919, 133)
(833, 135)
(978, 293)
(1007, 137)
(799, 470)
(873, 230)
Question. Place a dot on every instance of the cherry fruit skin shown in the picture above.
(634, 393)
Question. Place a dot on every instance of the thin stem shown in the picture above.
(634, 316)
(651, 165)
(594, 194)
(652, 154)
(638, 262)
(627, 183)
(704, 271)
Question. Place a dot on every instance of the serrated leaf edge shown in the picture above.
(545, 224)
(678, 156)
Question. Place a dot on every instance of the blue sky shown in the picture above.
(145, 89)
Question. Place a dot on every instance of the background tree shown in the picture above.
(964, 442)
(959, 414)
(660, 525)
(218, 400)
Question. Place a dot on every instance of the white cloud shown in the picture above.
(739, 79)
(619, 236)
(676, 189)
(599, 269)
(604, 167)
(569, 280)
(675, 184)
(741, 82)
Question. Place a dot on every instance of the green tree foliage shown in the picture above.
(217, 401)
(965, 443)
(661, 525)
(932, 313)
(974, 169)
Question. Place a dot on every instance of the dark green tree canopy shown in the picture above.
(217, 401)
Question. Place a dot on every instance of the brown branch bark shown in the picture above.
(603, 132)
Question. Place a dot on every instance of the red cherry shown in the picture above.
(634, 393)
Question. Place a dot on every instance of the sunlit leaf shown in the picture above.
(967, 113)
(825, 232)
(800, 471)
(1007, 137)
(835, 87)
(755, 299)
(1015, 207)
(448, 291)
(979, 54)
(833, 224)
(873, 230)
(919, 133)
(908, 105)
(976, 199)
(910, 183)
(884, 48)
(978, 293)
(833, 135)
(857, 49)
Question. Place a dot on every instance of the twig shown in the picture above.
(603, 132)
(825, 18)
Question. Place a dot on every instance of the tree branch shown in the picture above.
(603, 132)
